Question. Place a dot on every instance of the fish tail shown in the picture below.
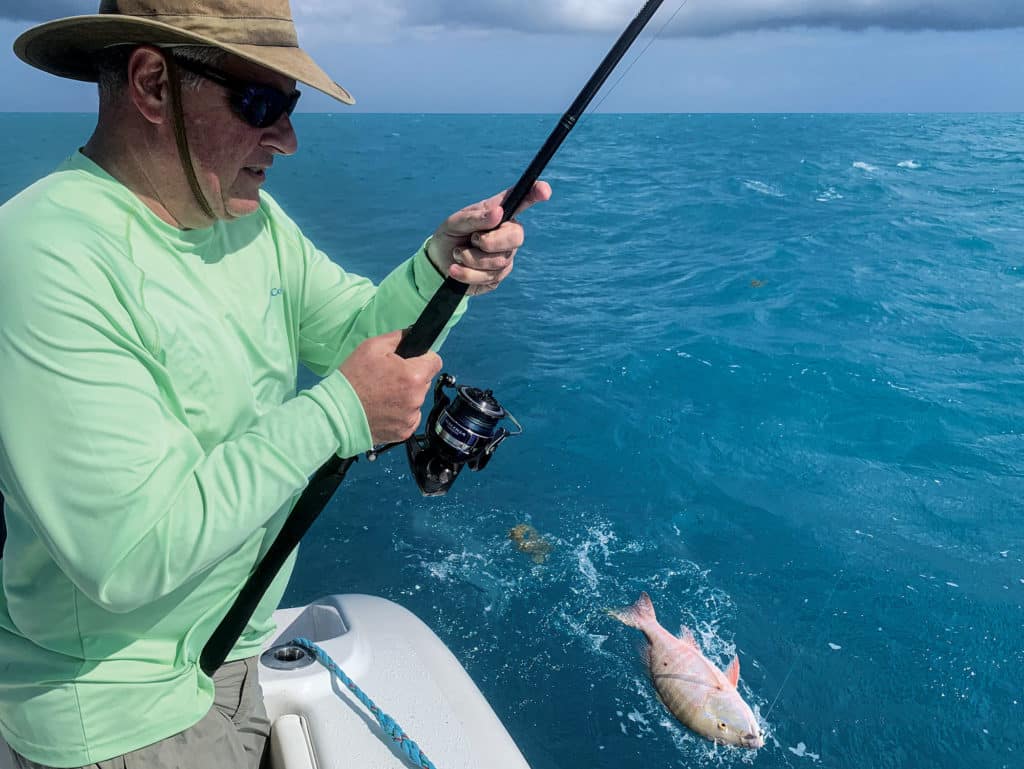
(640, 615)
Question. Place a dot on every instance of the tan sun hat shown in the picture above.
(261, 31)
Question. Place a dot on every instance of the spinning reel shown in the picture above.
(460, 431)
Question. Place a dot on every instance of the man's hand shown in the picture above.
(392, 389)
(467, 248)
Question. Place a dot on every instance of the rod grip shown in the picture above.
(422, 334)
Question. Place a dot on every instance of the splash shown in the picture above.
(828, 195)
(546, 624)
(801, 751)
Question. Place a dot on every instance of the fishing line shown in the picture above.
(799, 654)
(635, 60)
(840, 574)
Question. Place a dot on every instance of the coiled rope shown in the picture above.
(387, 723)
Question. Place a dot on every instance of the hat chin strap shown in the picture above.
(179, 134)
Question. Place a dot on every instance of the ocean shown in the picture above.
(770, 369)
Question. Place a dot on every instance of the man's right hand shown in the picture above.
(392, 389)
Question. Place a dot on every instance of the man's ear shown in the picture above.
(148, 84)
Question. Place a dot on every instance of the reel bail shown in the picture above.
(461, 430)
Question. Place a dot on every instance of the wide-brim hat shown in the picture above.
(260, 31)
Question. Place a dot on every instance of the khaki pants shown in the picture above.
(233, 735)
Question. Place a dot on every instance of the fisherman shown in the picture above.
(154, 306)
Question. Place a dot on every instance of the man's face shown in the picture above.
(231, 157)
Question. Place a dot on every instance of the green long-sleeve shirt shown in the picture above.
(151, 443)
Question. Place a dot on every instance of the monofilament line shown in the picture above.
(650, 42)
(796, 658)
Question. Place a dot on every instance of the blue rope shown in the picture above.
(387, 723)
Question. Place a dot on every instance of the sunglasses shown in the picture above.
(258, 105)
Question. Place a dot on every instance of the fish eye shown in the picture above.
(722, 725)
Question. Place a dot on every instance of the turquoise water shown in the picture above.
(771, 370)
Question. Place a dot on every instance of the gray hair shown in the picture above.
(112, 66)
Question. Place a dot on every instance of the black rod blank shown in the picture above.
(416, 341)
(445, 301)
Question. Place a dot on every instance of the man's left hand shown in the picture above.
(468, 248)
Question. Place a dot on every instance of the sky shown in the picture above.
(495, 56)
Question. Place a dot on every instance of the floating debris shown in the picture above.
(529, 541)
(756, 283)
(834, 647)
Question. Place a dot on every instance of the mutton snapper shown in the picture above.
(695, 691)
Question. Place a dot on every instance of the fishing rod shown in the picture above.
(417, 340)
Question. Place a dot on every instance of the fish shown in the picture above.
(702, 697)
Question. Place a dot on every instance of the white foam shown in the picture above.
(864, 166)
(911, 164)
(637, 717)
(801, 751)
(600, 539)
(834, 647)
(587, 569)
(762, 188)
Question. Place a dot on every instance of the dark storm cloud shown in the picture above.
(696, 18)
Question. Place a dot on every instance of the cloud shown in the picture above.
(695, 18)
(358, 19)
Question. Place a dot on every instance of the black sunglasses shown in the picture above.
(258, 105)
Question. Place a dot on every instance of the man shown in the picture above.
(154, 308)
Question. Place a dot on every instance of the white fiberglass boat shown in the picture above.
(400, 664)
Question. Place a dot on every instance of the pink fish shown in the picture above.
(696, 692)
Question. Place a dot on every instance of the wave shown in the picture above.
(763, 188)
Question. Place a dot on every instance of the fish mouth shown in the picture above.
(753, 740)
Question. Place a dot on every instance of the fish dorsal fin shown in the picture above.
(732, 673)
(686, 636)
